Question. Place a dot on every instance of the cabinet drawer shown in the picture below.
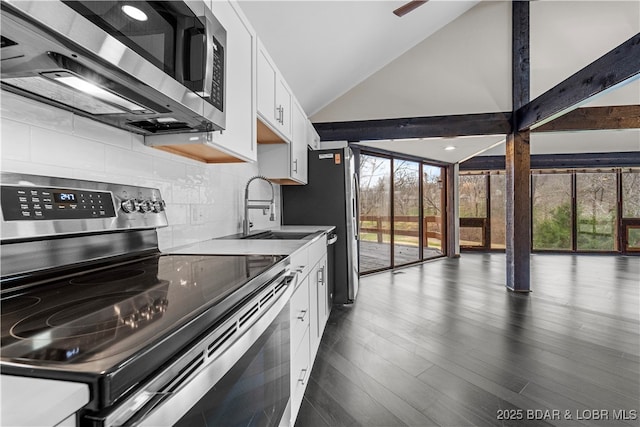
(317, 250)
(300, 262)
(300, 372)
(300, 315)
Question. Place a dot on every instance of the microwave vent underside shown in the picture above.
(153, 126)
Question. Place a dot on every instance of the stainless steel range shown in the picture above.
(88, 297)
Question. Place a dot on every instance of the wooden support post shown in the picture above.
(453, 211)
(518, 212)
(518, 161)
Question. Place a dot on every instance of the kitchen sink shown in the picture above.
(280, 235)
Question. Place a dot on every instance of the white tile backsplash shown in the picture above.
(62, 149)
(28, 111)
(119, 161)
(91, 129)
(203, 201)
(15, 140)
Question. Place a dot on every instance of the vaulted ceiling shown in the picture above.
(355, 60)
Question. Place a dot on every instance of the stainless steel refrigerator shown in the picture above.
(330, 198)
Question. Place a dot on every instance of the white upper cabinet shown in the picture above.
(283, 128)
(274, 98)
(313, 139)
(240, 134)
(285, 163)
(299, 139)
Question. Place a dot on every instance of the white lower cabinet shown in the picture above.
(299, 343)
(301, 365)
(309, 312)
(318, 299)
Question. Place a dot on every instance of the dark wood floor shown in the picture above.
(445, 344)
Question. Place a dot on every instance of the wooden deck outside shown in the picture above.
(444, 344)
(374, 256)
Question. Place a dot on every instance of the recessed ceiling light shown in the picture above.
(134, 12)
(450, 147)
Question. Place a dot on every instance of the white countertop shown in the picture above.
(231, 246)
(38, 402)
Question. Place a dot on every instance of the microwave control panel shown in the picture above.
(217, 85)
(49, 203)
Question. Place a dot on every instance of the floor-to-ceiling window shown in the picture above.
(597, 211)
(575, 210)
(402, 211)
(473, 210)
(630, 191)
(552, 212)
(434, 218)
(497, 210)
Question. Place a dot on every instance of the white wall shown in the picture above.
(203, 201)
(463, 68)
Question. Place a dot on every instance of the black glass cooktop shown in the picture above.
(94, 322)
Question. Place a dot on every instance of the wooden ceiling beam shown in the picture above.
(617, 67)
(559, 161)
(587, 118)
(595, 118)
(416, 127)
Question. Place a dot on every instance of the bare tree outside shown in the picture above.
(375, 211)
(406, 211)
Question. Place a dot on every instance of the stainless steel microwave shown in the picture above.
(150, 67)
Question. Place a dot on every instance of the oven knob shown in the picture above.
(128, 205)
(157, 206)
(146, 312)
(132, 320)
(144, 206)
(160, 305)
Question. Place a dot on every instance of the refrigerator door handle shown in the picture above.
(356, 205)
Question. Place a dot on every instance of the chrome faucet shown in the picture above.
(246, 225)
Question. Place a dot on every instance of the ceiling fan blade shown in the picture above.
(403, 10)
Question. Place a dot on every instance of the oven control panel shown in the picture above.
(33, 203)
(34, 206)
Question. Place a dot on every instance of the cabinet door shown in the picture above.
(283, 107)
(240, 134)
(314, 319)
(266, 88)
(313, 139)
(324, 308)
(299, 145)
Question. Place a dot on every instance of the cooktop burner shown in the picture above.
(93, 322)
(18, 303)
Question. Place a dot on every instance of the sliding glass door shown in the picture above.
(402, 212)
(433, 212)
(406, 212)
(375, 213)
